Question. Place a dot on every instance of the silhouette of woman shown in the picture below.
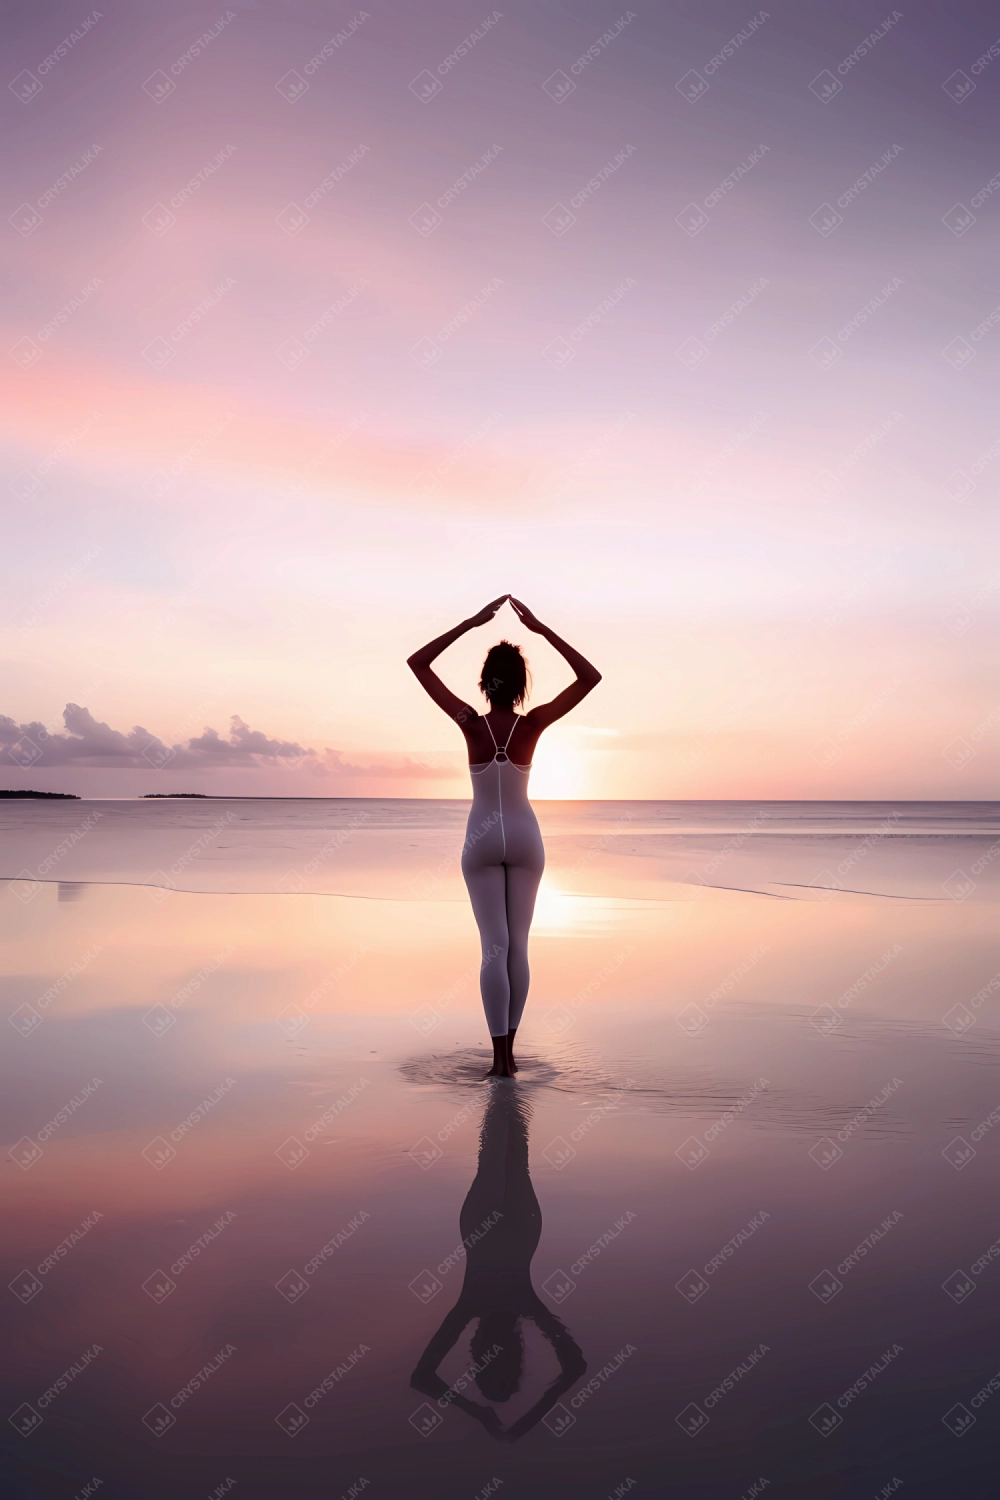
(503, 856)
(500, 1223)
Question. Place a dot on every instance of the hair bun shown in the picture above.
(505, 679)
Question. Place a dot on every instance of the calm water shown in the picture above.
(268, 1232)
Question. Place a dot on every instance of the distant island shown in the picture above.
(175, 794)
(63, 796)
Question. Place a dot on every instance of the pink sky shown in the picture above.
(254, 462)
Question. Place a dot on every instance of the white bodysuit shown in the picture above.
(502, 860)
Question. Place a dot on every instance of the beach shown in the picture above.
(243, 1099)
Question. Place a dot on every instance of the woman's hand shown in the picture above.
(525, 616)
(485, 615)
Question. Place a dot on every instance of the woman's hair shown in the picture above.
(498, 1355)
(505, 678)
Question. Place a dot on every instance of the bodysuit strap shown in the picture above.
(493, 737)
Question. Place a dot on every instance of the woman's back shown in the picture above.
(503, 856)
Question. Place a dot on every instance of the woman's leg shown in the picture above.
(487, 886)
(522, 888)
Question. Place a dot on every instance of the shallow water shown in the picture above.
(756, 1115)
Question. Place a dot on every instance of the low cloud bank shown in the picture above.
(88, 742)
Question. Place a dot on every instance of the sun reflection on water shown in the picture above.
(558, 912)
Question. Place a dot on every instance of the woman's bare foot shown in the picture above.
(510, 1051)
(501, 1060)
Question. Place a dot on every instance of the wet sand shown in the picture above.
(757, 1110)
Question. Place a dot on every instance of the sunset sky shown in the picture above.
(329, 324)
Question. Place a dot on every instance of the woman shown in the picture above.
(503, 856)
(500, 1224)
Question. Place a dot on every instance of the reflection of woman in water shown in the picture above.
(503, 857)
(501, 1224)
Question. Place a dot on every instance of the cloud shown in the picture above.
(140, 418)
(88, 742)
(405, 768)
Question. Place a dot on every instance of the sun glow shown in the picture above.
(557, 911)
(560, 768)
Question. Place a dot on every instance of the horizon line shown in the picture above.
(245, 797)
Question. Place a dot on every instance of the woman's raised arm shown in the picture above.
(420, 664)
(587, 675)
